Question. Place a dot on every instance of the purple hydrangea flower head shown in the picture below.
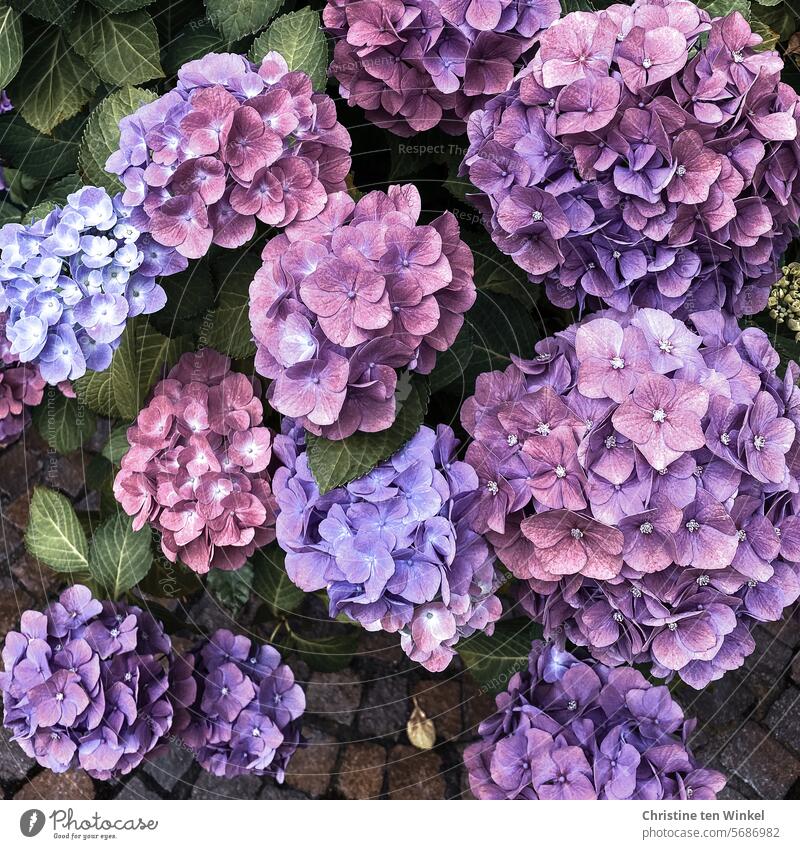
(344, 300)
(630, 164)
(568, 728)
(70, 281)
(197, 469)
(21, 387)
(86, 685)
(417, 64)
(238, 707)
(394, 549)
(639, 473)
(234, 142)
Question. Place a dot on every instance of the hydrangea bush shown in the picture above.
(21, 387)
(343, 301)
(417, 64)
(238, 707)
(85, 684)
(641, 474)
(71, 280)
(197, 468)
(232, 143)
(393, 549)
(576, 729)
(632, 162)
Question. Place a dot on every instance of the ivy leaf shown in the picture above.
(230, 322)
(116, 446)
(193, 42)
(53, 83)
(271, 584)
(64, 423)
(41, 156)
(54, 534)
(10, 45)
(122, 49)
(493, 660)
(337, 462)
(329, 653)
(299, 38)
(96, 390)
(119, 557)
(101, 136)
(231, 589)
(242, 17)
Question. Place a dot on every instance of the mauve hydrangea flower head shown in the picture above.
(568, 728)
(343, 301)
(197, 469)
(640, 473)
(238, 707)
(232, 143)
(21, 387)
(70, 281)
(417, 64)
(394, 549)
(631, 164)
(86, 685)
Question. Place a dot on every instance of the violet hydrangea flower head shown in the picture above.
(417, 64)
(629, 163)
(343, 301)
(568, 728)
(238, 707)
(198, 466)
(21, 387)
(234, 142)
(640, 473)
(394, 549)
(86, 685)
(70, 281)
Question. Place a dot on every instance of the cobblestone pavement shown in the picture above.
(356, 719)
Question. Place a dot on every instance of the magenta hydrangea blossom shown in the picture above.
(198, 466)
(232, 143)
(393, 549)
(568, 728)
(343, 301)
(629, 163)
(86, 685)
(237, 707)
(641, 474)
(21, 387)
(417, 64)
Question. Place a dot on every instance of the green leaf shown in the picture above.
(53, 11)
(54, 534)
(45, 157)
(170, 580)
(101, 136)
(231, 589)
(64, 423)
(117, 445)
(337, 462)
(193, 42)
(9, 214)
(10, 45)
(122, 49)
(329, 653)
(190, 295)
(229, 324)
(56, 195)
(53, 83)
(121, 5)
(119, 557)
(96, 390)
(142, 359)
(720, 8)
(299, 38)
(451, 365)
(493, 660)
(271, 584)
(240, 17)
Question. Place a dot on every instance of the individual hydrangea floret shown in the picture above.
(232, 143)
(70, 281)
(641, 473)
(417, 64)
(393, 549)
(568, 728)
(21, 387)
(197, 468)
(86, 685)
(238, 707)
(343, 301)
(631, 163)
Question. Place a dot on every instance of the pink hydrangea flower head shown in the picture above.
(21, 388)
